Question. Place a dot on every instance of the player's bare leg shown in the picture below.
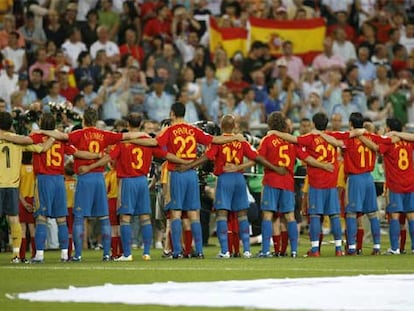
(222, 230)
(16, 235)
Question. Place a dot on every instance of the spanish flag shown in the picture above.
(306, 35)
(231, 39)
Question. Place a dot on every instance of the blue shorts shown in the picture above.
(231, 192)
(323, 201)
(50, 196)
(400, 202)
(277, 200)
(9, 201)
(184, 191)
(90, 196)
(362, 196)
(134, 196)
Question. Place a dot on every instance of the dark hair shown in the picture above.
(48, 121)
(92, 12)
(371, 100)
(320, 120)
(6, 121)
(39, 71)
(69, 171)
(132, 14)
(394, 124)
(82, 55)
(246, 90)
(276, 121)
(90, 116)
(357, 120)
(134, 119)
(77, 98)
(178, 109)
(305, 120)
(50, 84)
(211, 66)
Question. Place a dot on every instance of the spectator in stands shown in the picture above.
(366, 69)
(290, 101)
(84, 70)
(33, 35)
(193, 88)
(342, 47)
(198, 64)
(272, 102)
(170, 61)
(253, 61)
(336, 122)
(9, 25)
(149, 68)
(367, 37)
(310, 81)
(249, 110)
(224, 68)
(382, 22)
(374, 111)
(158, 102)
(36, 83)
(55, 31)
(73, 46)
(342, 22)
(69, 17)
(407, 39)
(209, 98)
(191, 111)
(259, 86)
(382, 84)
(53, 95)
(28, 95)
(15, 53)
(8, 82)
(90, 96)
(394, 39)
(132, 47)
(89, 29)
(327, 61)
(111, 101)
(103, 43)
(380, 55)
(346, 106)
(42, 64)
(365, 9)
(135, 87)
(312, 105)
(236, 84)
(109, 18)
(129, 20)
(160, 25)
(79, 104)
(333, 92)
(102, 66)
(67, 91)
(297, 5)
(228, 104)
(295, 65)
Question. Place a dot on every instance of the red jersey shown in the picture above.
(52, 161)
(398, 164)
(93, 140)
(280, 153)
(358, 158)
(318, 148)
(157, 27)
(133, 160)
(230, 153)
(181, 139)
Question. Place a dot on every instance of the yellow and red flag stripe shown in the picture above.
(306, 35)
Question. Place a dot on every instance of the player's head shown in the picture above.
(228, 122)
(6, 121)
(277, 121)
(356, 120)
(90, 117)
(134, 120)
(320, 121)
(177, 110)
(47, 121)
(393, 124)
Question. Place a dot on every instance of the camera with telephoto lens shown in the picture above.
(251, 139)
(62, 110)
(22, 120)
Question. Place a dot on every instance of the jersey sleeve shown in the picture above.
(339, 135)
(162, 139)
(305, 140)
(211, 151)
(112, 138)
(37, 148)
(159, 152)
(37, 139)
(69, 149)
(202, 137)
(115, 152)
(378, 139)
(74, 137)
(263, 147)
(301, 152)
(249, 151)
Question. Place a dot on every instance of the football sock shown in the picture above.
(16, 236)
(63, 235)
(351, 229)
(292, 228)
(146, 230)
(394, 233)
(188, 241)
(411, 230)
(314, 232)
(336, 231)
(198, 238)
(276, 243)
(40, 235)
(70, 247)
(78, 235)
(126, 236)
(320, 241)
(222, 234)
(376, 231)
(33, 246)
(229, 242)
(266, 234)
(236, 243)
(106, 235)
(360, 238)
(176, 235)
(403, 239)
(244, 232)
(23, 246)
(114, 246)
(284, 238)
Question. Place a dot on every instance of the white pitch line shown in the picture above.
(128, 268)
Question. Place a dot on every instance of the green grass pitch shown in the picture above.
(92, 271)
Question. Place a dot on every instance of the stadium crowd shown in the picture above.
(128, 66)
